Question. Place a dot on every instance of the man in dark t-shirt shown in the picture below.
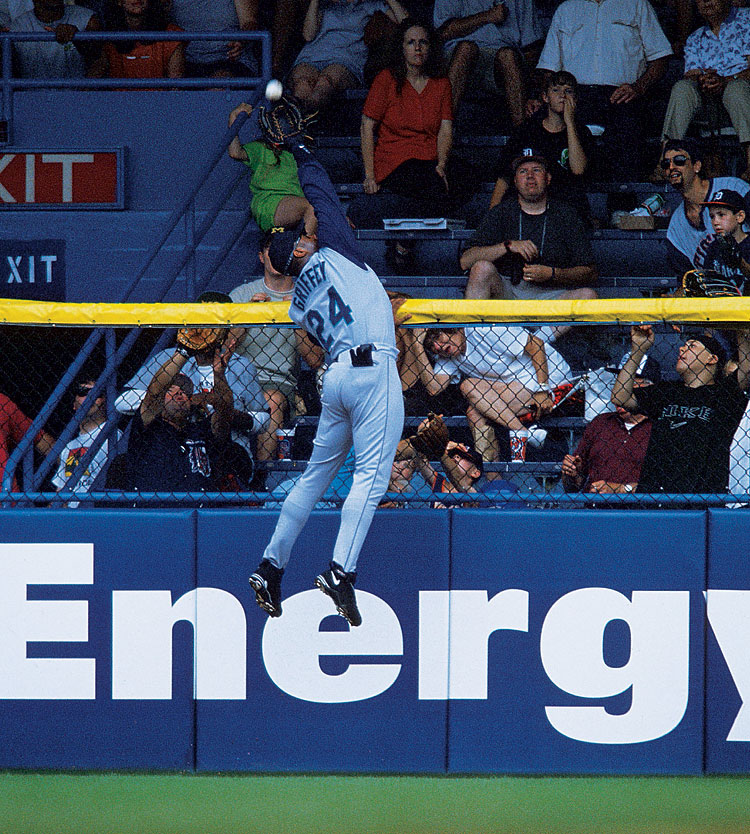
(694, 419)
(174, 446)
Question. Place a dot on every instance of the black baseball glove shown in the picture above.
(728, 250)
(284, 125)
(705, 283)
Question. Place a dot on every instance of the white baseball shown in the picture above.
(274, 90)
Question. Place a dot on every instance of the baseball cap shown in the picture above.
(185, 383)
(727, 198)
(529, 155)
(712, 346)
(467, 453)
(282, 245)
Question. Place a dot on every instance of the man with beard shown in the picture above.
(689, 232)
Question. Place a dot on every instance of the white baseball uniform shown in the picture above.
(340, 301)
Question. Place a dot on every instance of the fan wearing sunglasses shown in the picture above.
(690, 232)
(73, 452)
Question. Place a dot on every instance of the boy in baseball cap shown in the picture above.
(729, 252)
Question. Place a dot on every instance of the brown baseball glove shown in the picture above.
(431, 437)
(199, 339)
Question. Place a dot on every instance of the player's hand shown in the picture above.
(537, 273)
(641, 337)
(260, 296)
(571, 466)
(369, 186)
(525, 248)
(623, 94)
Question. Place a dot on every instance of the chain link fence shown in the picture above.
(537, 415)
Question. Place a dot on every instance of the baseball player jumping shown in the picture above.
(341, 302)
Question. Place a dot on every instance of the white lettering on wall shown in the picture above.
(142, 623)
(656, 672)
(24, 621)
(293, 644)
(454, 632)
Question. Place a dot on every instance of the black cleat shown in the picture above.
(339, 585)
(266, 582)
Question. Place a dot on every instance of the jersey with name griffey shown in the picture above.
(342, 304)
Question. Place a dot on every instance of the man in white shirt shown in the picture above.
(617, 50)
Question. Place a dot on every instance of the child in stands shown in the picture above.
(277, 195)
(729, 252)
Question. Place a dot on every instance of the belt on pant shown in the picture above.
(361, 356)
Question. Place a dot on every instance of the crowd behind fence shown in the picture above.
(565, 413)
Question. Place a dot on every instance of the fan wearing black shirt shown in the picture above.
(558, 134)
(694, 419)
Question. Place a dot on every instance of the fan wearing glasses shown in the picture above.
(690, 232)
(88, 429)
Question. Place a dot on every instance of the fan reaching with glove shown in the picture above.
(726, 262)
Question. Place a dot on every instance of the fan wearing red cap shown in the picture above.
(729, 252)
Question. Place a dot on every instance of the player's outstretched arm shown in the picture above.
(286, 126)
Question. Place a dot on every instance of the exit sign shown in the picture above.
(87, 179)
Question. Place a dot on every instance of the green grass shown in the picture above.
(113, 803)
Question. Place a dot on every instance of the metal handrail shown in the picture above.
(24, 450)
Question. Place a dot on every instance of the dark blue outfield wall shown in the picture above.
(507, 642)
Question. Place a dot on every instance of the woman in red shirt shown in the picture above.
(131, 59)
(409, 106)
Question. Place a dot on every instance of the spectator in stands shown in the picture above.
(504, 372)
(274, 351)
(175, 444)
(134, 59)
(729, 251)
(13, 426)
(486, 37)
(286, 33)
(88, 430)
(217, 59)
(688, 233)
(13, 8)
(531, 247)
(561, 138)
(250, 415)
(694, 419)
(463, 467)
(617, 51)
(277, 195)
(610, 454)
(406, 168)
(716, 71)
(67, 58)
(333, 58)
